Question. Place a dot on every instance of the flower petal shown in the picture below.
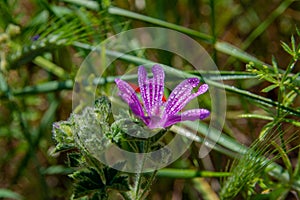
(127, 93)
(152, 89)
(190, 115)
(182, 94)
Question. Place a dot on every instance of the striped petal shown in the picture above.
(190, 115)
(127, 93)
(152, 89)
(182, 94)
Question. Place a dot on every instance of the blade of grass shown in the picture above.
(205, 189)
(57, 86)
(266, 23)
(297, 168)
(93, 5)
(3, 85)
(256, 98)
(125, 13)
(213, 28)
(47, 87)
(285, 158)
(53, 86)
(224, 75)
(222, 139)
(6, 193)
(211, 144)
(50, 67)
(189, 173)
(238, 53)
(29, 154)
(256, 116)
(219, 45)
(223, 47)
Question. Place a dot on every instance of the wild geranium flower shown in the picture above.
(154, 112)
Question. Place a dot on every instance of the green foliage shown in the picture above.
(285, 81)
(246, 172)
(88, 182)
(90, 132)
(5, 193)
(62, 133)
(86, 132)
(294, 49)
(60, 32)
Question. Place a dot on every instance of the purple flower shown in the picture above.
(35, 37)
(158, 114)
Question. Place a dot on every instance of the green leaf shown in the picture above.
(109, 174)
(3, 84)
(247, 170)
(62, 134)
(120, 183)
(93, 5)
(256, 116)
(134, 15)
(6, 193)
(293, 42)
(287, 48)
(236, 52)
(296, 123)
(269, 88)
(289, 98)
(297, 168)
(50, 67)
(265, 129)
(87, 182)
(279, 193)
(275, 65)
(57, 169)
(113, 178)
(294, 77)
(74, 159)
(57, 32)
(284, 157)
(103, 107)
(100, 196)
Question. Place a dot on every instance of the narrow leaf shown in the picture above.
(284, 157)
(286, 48)
(6, 193)
(269, 88)
(256, 116)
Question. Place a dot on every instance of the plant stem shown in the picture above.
(50, 67)
(189, 173)
(93, 5)
(125, 196)
(213, 29)
(125, 13)
(147, 187)
(146, 148)
(137, 185)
